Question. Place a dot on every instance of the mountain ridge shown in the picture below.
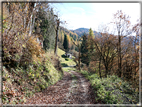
(81, 31)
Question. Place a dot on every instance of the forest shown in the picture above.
(34, 61)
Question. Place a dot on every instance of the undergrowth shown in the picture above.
(112, 90)
(20, 83)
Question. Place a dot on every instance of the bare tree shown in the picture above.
(106, 49)
(122, 23)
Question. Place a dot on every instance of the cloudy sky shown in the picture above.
(92, 15)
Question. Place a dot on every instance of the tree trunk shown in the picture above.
(106, 73)
(29, 15)
(55, 50)
(100, 68)
(32, 23)
(79, 59)
(119, 56)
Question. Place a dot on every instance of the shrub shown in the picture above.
(12, 49)
(55, 61)
(112, 90)
(32, 52)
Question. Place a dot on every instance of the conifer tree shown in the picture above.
(90, 44)
(84, 51)
(91, 34)
(65, 44)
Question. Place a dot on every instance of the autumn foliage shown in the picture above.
(27, 68)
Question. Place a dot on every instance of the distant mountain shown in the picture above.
(81, 31)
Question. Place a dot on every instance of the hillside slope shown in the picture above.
(20, 83)
(81, 31)
(69, 32)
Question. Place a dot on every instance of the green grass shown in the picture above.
(112, 90)
(60, 52)
(65, 61)
(69, 69)
(69, 62)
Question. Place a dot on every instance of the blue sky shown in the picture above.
(93, 15)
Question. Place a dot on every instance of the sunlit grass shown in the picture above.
(69, 62)
(67, 69)
(65, 61)
(112, 90)
(60, 52)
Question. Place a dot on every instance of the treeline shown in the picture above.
(111, 54)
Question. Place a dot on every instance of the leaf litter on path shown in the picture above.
(72, 89)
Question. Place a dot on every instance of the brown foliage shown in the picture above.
(32, 51)
(106, 50)
(18, 45)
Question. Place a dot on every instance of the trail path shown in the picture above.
(72, 89)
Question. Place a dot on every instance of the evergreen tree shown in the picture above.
(76, 49)
(90, 38)
(65, 44)
(72, 47)
(91, 34)
(90, 44)
(84, 51)
(62, 37)
(45, 23)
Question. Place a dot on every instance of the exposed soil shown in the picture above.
(72, 89)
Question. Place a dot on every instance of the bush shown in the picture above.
(63, 56)
(32, 52)
(12, 50)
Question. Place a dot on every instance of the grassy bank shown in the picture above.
(64, 60)
(19, 83)
(67, 69)
(112, 90)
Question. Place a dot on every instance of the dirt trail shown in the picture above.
(72, 89)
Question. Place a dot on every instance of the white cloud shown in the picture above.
(93, 14)
(106, 10)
